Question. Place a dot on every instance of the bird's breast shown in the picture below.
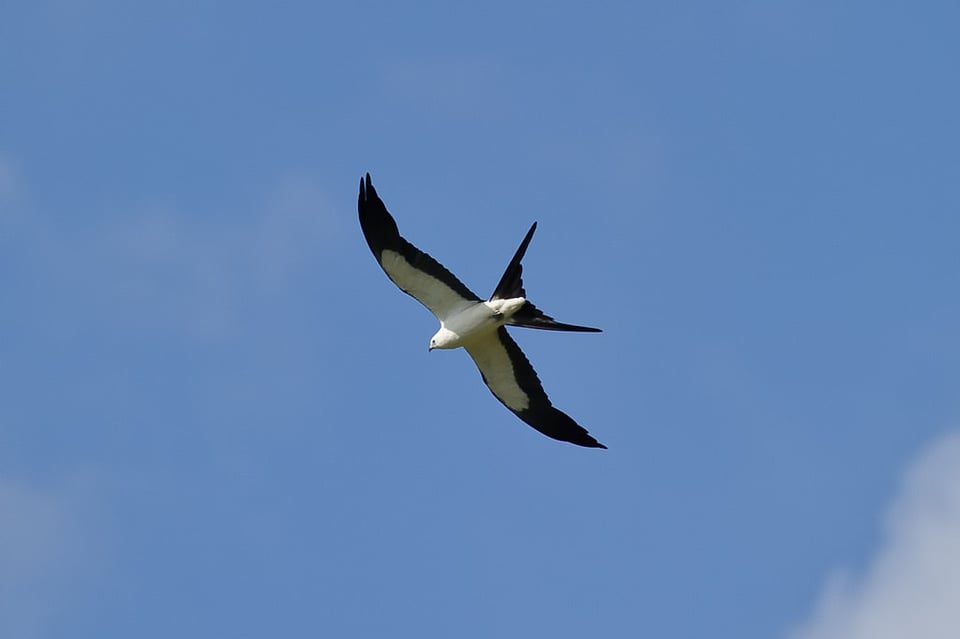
(475, 320)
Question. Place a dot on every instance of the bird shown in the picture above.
(476, 325)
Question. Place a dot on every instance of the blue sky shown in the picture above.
(219, 418)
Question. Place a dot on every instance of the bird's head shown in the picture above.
(444, 338)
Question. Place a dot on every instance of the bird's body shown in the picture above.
(474, 322)
(476, 325)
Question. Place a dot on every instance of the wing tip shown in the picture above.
(587, 441)
(556, 424)
(366, 188)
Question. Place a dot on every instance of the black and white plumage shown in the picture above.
(476, 325)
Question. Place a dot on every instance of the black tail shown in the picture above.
(511, 286)
(529, 316)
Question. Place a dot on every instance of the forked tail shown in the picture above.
(511, 286)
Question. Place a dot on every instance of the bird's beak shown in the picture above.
(429, 348)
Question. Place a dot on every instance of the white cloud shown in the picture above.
(911, 588)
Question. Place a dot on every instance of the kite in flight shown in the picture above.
(468, 321)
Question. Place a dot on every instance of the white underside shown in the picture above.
(491, 357)
(464, 322)
(477, 320)
(476, 330)
(442, 300)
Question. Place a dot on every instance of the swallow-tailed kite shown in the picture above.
(468, 321)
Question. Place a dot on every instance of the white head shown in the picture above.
(444, 338)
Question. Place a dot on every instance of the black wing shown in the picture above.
(415, 272)
(508, 374)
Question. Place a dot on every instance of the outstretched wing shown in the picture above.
(510, 377)
(415, 272)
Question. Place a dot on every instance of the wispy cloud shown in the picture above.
(10, 189)
(293, 227)
(38, 532)
(912, 585)
(185, 271)
(452, 88)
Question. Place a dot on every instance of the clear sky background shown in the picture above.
(218, 418)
